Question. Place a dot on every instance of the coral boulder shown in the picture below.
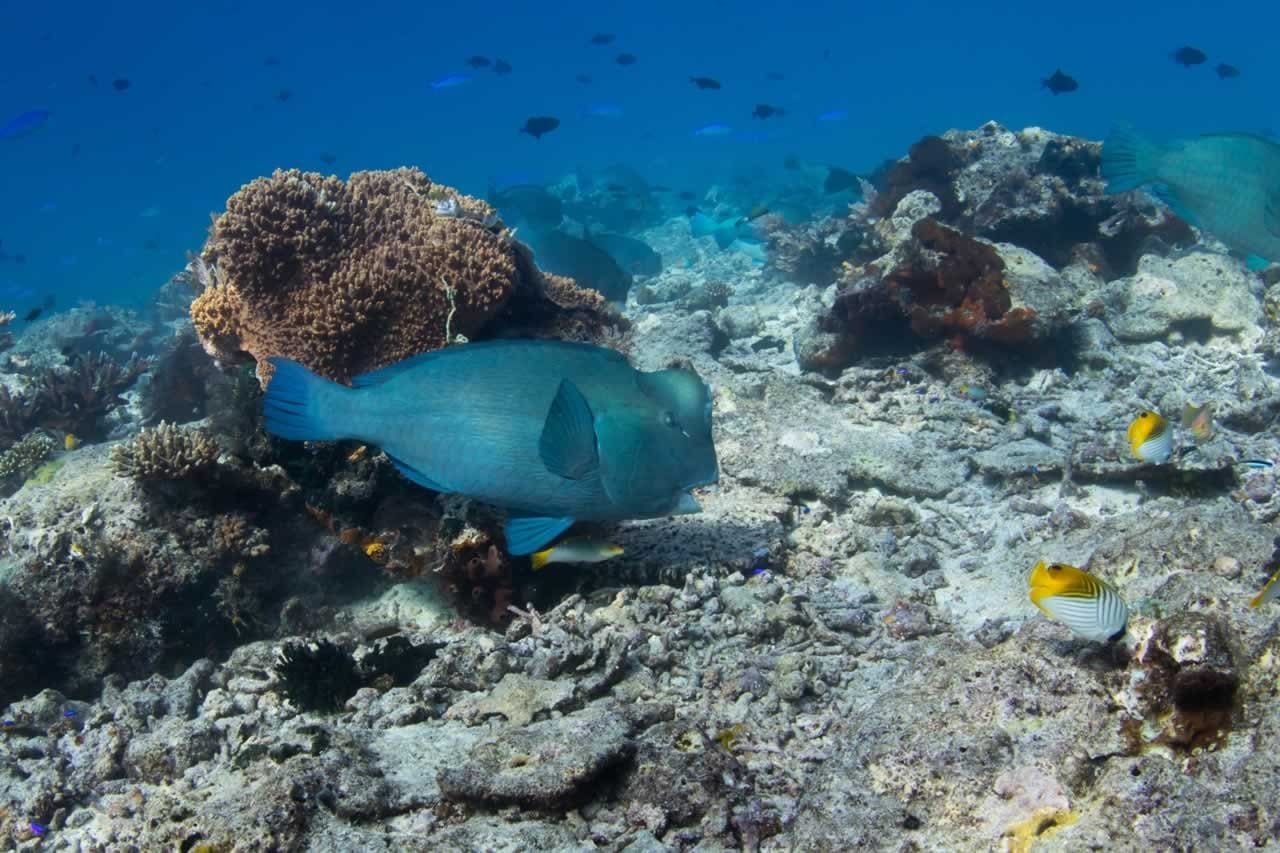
(349, 277)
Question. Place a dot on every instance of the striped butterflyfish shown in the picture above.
(1090, 607)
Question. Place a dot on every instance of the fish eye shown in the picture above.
(669, 419)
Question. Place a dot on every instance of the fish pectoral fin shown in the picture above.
(418, 477)
(528, 533)
(568, 442)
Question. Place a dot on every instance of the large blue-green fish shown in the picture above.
(552, 432)
(1225, 183)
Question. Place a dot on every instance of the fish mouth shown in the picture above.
(686, 504)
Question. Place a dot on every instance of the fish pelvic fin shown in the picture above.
(303, 406)
(528, 533)
(1129, 160)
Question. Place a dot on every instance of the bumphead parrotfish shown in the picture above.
(552, 432)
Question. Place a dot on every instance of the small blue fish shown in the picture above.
(450, 81)
(36, 828)
(24, 124)
(713, 130)
(834, 115)
(70, 712)
(1258, 464)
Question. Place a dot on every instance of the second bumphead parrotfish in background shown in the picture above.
(1090, 607)
(551, 432)
(1225, 183)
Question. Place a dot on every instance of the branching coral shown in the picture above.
(165, 453)
(70, 400)
(75, 400)
(349, 277)
(25, 456)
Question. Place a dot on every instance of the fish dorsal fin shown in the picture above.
(382, 374)
(568, 442)
(528, 533)
(1244, 135)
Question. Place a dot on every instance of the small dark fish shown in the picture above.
(1059, 83)
(75, 149)
(271, 61)
(775, 75)
(328, 158)
(120, 84)
(791, 162)
(1224, 70)
(93, 79)
(1189, 56)
(688, 196)
(839, 180)
(602, 39)
(752, 215)
(33, 315)
(478, 61)
(659, 188)
(19, 259)
(501, 66)
(691, 211)
(535, 126)
(705, 82)
(767, 111)
(583, 79)
(615, 188)
(626, 59)
(283, 95)
(151, 245)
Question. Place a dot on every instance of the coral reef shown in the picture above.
(838, 651)
(165, 453)
(350, 277)
(25, 456)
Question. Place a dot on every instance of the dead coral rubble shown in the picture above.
(349, 277)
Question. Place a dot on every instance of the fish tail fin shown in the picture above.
(303, 406)
(1129, 160)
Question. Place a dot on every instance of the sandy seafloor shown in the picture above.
(838, 652)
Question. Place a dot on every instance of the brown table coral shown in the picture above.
(349, 277)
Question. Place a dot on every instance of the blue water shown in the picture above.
(106, 198)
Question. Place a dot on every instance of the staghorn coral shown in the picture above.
(810, 252)
(164, 453)
(349, 277)
(76, 399)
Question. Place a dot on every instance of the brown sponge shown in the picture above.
(349, 277)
